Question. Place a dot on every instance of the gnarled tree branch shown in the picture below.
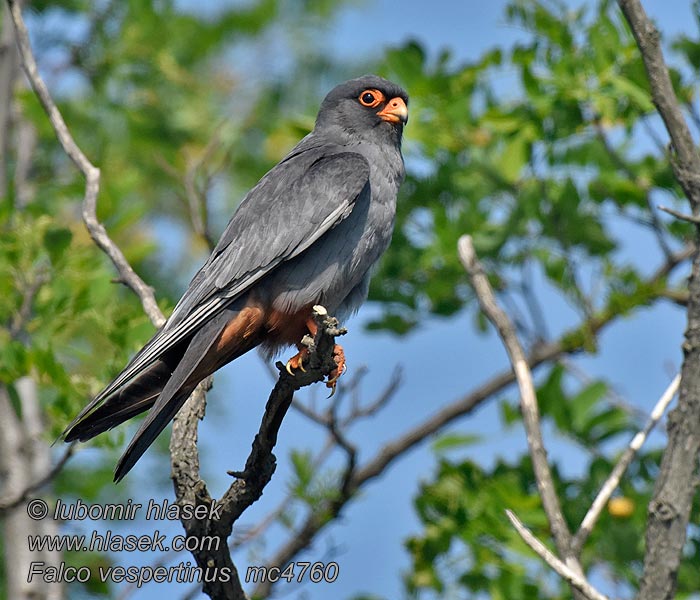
(223, 582)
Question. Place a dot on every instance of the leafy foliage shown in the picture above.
(545, 179)
(549, 181)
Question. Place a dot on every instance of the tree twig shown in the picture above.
(684, 160)
(92, 174)
(576, 580)
(528, 404)
(196, 197)
(618, 471)
(656, 224)
(694, 219)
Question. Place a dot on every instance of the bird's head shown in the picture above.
(367, 108)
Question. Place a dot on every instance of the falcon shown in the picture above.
(308, 233)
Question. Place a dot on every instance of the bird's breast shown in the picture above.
(335, 270)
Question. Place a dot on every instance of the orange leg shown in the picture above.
(339, 358)
(297, 361)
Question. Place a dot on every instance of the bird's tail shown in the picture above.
(164, 385)
(137, 396)
(228, 336)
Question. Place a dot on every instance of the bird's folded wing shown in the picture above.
(283, 215)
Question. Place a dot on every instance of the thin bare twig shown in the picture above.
(196, 197)
(576, 580)
(31, 288)
(528, 400)
(694, 219)
(92, 174)
(350, 451)
(614, 398)
(623, 463)
(693, 112)
(656, 224)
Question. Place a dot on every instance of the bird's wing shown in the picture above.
(298, 201)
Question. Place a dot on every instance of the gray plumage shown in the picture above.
(308, 233)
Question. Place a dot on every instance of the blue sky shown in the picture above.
(637, 355)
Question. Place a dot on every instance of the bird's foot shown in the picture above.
(297, 361)
(339, 358)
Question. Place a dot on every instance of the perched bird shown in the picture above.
(308, 233)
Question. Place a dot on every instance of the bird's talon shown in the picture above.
(341, 367)
(297, 361)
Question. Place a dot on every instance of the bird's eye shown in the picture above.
(371, 98)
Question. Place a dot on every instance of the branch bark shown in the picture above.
(684, 159)
(669, 510)
(9, 69)
(9, 503)
(528, 402)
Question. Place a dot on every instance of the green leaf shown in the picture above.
(451, 441)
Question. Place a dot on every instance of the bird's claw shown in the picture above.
(297, 361)
(334, 375)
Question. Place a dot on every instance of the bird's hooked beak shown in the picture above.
(395, 111)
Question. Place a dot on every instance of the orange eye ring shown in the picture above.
(371, 98)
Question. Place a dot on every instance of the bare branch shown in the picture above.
(694, 219)
(685, 159)
(618, 471)
(360, 412)
(26, 142)
(679, 297)
(29, 292)
(614, 398)
(91, 173)
(656, 224)
(576, 580)
(350, 451)
(528, 404)
(196, 197)
(693, 112)
(9, 69)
